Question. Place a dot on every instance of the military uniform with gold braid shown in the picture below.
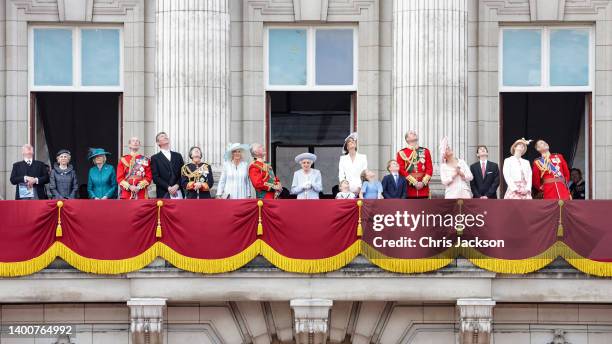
(192, 174)
(416, 166)
(134, 169)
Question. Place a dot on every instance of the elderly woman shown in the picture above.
(62, 179)
(352, 164)
(235, 183)
(517, 172)
(454, 173)
(306, 181)
(102, 180)
(197, 177)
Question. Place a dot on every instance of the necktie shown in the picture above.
(483, 168)
(29, 162)
(395, 178)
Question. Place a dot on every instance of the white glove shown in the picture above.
(307, 186)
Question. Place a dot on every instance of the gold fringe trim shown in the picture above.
(510, 266)
(591, 267)
(310, 266)
(106, 267)
(28, 267)
(209, 266)
(407, 266)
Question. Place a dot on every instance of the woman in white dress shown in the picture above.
(454, 173)
(517, 172)
(234, 183)
(352, 164)
(306, 181)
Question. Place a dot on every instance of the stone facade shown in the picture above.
(357, 304)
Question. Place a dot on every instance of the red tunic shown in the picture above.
(551, 176)
(416, 166)
(134, 170)
(263, 180)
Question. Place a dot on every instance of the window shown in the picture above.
(311, 58)
(76, 58)
(546, 59)
(287, 57)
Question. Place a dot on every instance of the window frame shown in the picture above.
(311, 59)
(545, 85)
(77, 82)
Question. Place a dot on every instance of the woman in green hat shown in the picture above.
(102, 181)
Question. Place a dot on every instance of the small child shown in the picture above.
(394, 185)
(371, 187)
(345, 192)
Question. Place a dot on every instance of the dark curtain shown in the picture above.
(310, 118)
(554, 117)
(78, 121)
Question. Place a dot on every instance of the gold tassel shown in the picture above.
(58, 229)
(459, 227)
(560, 231)
(359, 226)
(259, 224)
(158, 231)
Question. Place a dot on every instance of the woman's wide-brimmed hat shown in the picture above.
(244, 148)
(519, 141)
(305, 156)
(94, 152)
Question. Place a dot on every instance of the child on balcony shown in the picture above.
(345, 192)
(371, 188)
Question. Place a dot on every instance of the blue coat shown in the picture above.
(102, 182)
(391, 190)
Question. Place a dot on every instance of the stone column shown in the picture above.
(193, 74)
(147, 320)
(476, 318)
(4, 164)
(311, 320)
(430, 73)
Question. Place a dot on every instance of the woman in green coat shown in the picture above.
(102, 181)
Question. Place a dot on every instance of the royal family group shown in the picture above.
(246, 174)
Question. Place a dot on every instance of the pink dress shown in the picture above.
(517, 173)
(456, 186)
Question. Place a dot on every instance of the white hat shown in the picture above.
(233, 147)
(353, 136)
(305, 156)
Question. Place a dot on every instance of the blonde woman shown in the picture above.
(517, 172)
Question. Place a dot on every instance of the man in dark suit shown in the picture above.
(29, 176)
(166, 168)
(394, 185)
(486, 175)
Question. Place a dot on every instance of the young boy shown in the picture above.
(394, 185)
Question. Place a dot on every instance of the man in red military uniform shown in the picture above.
(550, 173)
(134, 173)
(416, 166)
(266, 184)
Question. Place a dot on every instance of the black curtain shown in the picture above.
(78, 121)
(554, 117)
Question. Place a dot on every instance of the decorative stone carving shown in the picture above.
(311, 320)
(146, 320)
(310, 10)
(75, 10)
(559, 337)
(476, 317)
